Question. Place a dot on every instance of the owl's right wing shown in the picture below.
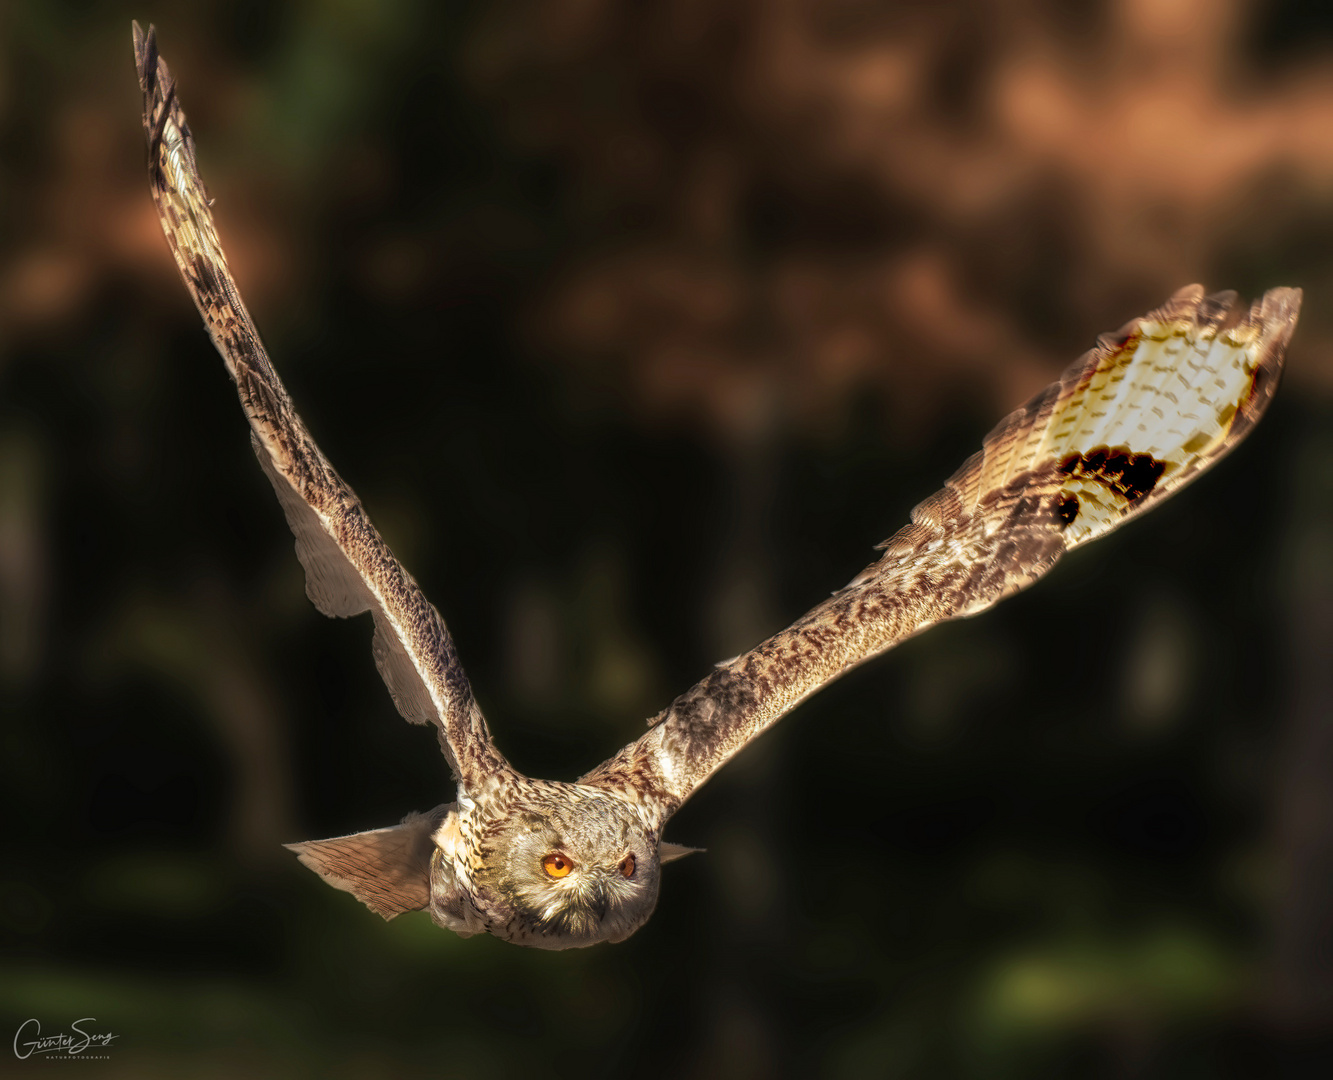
(1133, 420)
(349, 568)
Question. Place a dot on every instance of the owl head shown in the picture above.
(566, 866)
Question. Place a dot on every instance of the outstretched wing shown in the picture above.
(349, 568)
(1133, 420)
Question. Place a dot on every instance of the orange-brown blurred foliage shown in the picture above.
(793, 200)
(777, 204)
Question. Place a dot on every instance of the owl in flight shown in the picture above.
(556, 865)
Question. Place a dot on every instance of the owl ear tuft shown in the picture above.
(671, 852)
(388, 870)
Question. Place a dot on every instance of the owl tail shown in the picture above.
(388, 870)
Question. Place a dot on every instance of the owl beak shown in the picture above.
(598, 901)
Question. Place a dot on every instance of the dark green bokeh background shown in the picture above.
(634, 326)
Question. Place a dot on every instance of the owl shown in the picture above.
(555, 865)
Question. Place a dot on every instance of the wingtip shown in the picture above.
(145, 53)
(1186, 296)
(1273, 316)
(1281, 305)
(1275, 312)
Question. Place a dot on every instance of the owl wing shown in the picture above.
(1132, 421)
(349, 568)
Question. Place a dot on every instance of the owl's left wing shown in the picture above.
(1133, 420)
(349, 568)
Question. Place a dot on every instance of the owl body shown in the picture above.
(485, 864)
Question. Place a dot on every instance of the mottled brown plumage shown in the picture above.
(554, 865)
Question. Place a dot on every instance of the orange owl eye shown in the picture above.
(557, 865)
(627, 866)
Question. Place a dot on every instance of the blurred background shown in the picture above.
(635, 325)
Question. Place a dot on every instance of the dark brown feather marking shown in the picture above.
(1118, 469)
(1066, 508)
